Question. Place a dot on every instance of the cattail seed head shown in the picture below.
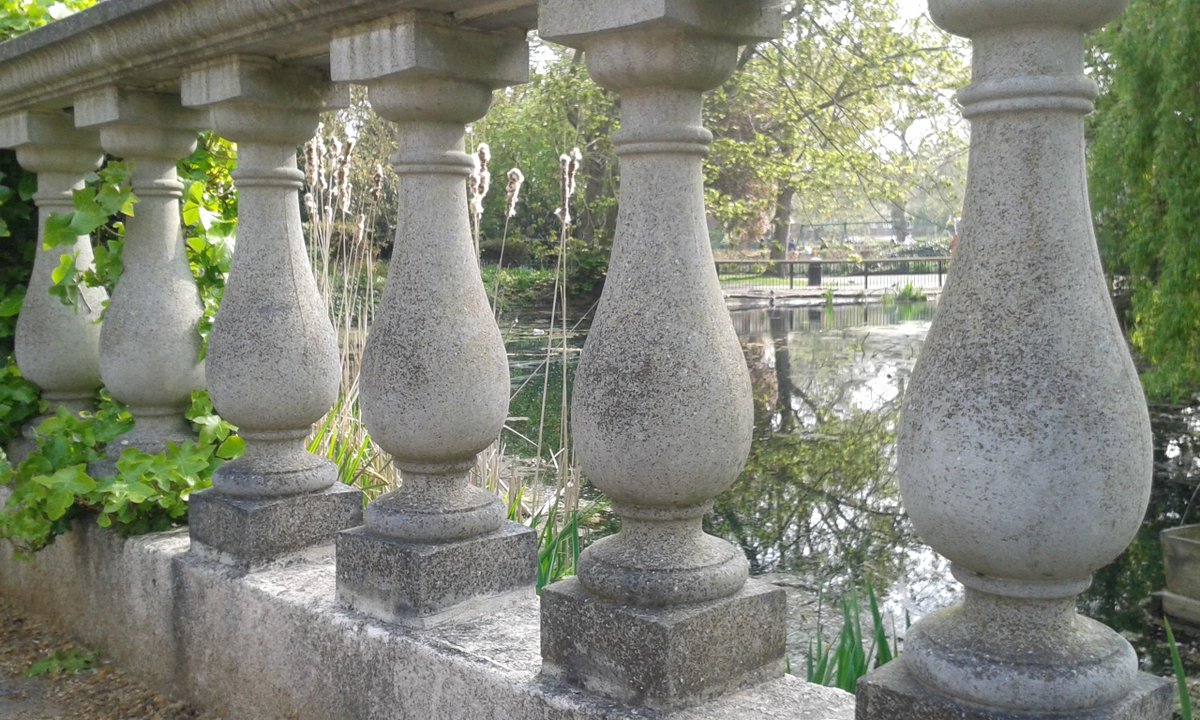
(568, 167)
(377, 184)
(515, 179)
(485, 176)
(311, 160)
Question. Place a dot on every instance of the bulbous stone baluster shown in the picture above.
(435, 374)
(1024, 446)
(57, 346)
(149, 348)
(661, 614)
(272, 363)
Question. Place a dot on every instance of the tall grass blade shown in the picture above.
(1185, 699)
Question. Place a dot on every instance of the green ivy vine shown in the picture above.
(147, 493)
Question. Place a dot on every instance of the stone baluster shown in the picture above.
(149, 347)
(272, 363)
(57, 345)
(661, 613)
(434, 387)
(1024, 445)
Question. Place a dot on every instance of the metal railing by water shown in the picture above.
(867, 275)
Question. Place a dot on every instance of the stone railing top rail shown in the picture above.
(146, 44)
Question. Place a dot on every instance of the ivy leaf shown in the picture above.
(73, 480)
(58, 230)
(10, 306)
(231, 448)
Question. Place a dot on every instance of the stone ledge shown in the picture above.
(272, 644)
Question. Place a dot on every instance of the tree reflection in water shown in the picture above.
(818, 496)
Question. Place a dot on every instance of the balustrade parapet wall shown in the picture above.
(662, 617)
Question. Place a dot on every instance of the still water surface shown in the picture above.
(818, 510)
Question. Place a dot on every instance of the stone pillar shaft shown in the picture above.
(149, 347)
(273, 367)
(56, 345)
(435, 373)
(1024, 450)
(661, 614)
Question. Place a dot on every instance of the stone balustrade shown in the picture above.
(1027, 468)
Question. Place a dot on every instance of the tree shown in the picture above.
(1145, 183)
(529, 127)
(818, 113)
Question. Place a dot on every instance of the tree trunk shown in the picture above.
(781, 227)
(899, 221)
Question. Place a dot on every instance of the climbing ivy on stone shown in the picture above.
(53, 486)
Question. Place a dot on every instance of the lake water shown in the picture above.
(817, 509)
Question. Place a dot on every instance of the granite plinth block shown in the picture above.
(425, 584)
(247, 533)
(662, 658)
(892, 693)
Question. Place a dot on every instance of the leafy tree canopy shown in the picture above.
(1145, 183)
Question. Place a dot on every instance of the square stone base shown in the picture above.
(425, 584)
(662, 658)
(247, 533)
(891, 693)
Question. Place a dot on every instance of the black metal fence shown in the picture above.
(920, 272)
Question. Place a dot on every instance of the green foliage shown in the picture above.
(821, 501)
(1145, 183)
(209, 215)
(210, 222)
(587, 266)
(18, 401)
(52, 486)
(59, 662)
(849, 104)
(18, 17)
(910, 294)
(518, 287)
(17, 233)
(106, 195)
(849, 657)
(561, 540)
(529, 127)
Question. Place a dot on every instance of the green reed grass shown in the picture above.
(851, 654)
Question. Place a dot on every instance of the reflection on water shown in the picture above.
(817, 505)
(818, 496)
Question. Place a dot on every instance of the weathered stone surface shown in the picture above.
(1024, 450)
(149, 346)
(273, 645)
(569, 21)
(149, 43)
(273, 364)
(666, 658)
(661, 410)
(892, 692)
(435, 382)
(427, 584)
(247, 533)
(57, 346)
